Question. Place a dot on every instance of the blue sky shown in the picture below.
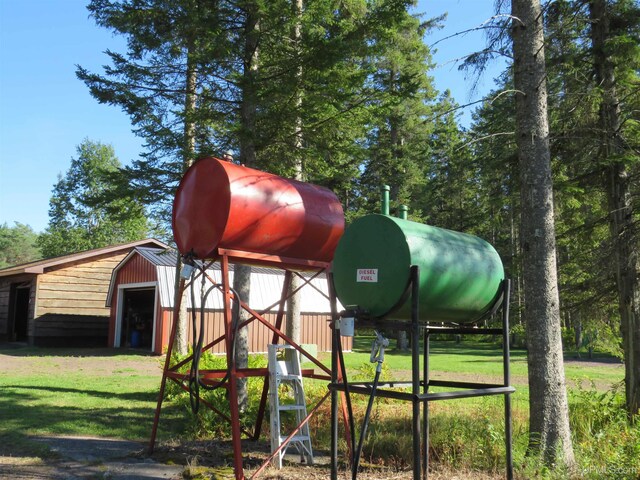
(45, 112)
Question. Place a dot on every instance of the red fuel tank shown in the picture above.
(219, 204)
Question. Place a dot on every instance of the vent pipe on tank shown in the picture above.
(385, 199)
(404, 212)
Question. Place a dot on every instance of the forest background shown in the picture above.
(408, 135)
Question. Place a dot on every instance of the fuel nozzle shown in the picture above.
(377, 349)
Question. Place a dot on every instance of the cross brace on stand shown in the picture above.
(290, 267)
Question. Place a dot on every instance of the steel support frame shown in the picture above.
(170, 372)
(419, 394)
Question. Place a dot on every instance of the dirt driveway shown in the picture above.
(89, 359)
(82, 458)
(88, 458)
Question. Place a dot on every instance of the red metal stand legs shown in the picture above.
(233, 373)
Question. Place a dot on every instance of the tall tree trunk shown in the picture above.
(248, 109)
(620, 206)
(549, 414)
(242, 285)
(577, 326)
(293, 305)
(395, 143)
(189, 151)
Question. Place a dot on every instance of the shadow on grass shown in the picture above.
(21, 350)
(24, 412)
(598, 358)
(131, 396)
(19, 444)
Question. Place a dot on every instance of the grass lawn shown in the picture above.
(484, 358)
(478, 361)
(111, 393)
(92, 392)
(467, 434)
(106, 393)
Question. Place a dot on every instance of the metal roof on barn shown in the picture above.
(266, 284)
(159, 257)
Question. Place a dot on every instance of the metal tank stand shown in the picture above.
(228, 378)
(418, 387)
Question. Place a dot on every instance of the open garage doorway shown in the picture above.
(19, 312)
(137, 307)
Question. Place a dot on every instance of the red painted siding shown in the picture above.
(136, 270)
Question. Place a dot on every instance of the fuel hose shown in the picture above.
(377, 355)
(195, 382)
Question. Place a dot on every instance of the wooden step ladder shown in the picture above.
(286, 396)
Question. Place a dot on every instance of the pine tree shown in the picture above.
(594, 57)
(619, 157)
(398, 136)
(164, 82)
(549, 432)
(202, 77)
(449, 198)
(494, 153)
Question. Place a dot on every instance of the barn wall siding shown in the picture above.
(5, 290)
(163, 330)
(33, 308)
(53, 330)
(70, 304)
(77, 289)
(67, 294)
(315, 329)
(137, 270)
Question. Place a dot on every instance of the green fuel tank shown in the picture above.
(460, 274)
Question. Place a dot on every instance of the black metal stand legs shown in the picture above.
(419, 394)
(415, 372)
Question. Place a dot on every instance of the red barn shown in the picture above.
(141, 298)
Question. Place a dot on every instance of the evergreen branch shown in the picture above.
(342, 111)
(479, 139)
(466, 105)
(482, 26)
(474, 54)
(469, 30)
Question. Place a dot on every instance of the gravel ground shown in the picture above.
(88, 458)
(78, 458)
